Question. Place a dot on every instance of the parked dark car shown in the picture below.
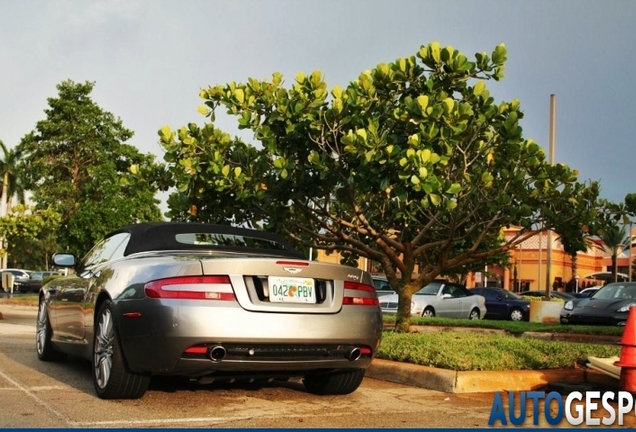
(608, 306)
(208, 302)
(21, 279)
(34, 283)
(558, 294)
(587, 292)
(504, 304)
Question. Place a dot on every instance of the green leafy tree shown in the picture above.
(572, 245)
(630, 205)
(500, 260)
(31, 235)
(614, 238)
(11, 178)
(575, 234)
(77, 162)
(614, 220)
(11, 185)
(412, 165)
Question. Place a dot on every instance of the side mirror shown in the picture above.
(498, 298)
(446, 296)
(64, 260)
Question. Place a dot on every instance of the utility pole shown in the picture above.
(548, 284)
(629, 265)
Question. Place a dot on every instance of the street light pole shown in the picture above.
(520, 266)
(548, 276)
(629, 263)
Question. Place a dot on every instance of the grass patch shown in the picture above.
(513, 327)
(466, 351)
(21, 300)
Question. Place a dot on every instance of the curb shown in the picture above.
(573, 337)
(449, 381)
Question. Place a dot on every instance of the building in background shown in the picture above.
(528, 267)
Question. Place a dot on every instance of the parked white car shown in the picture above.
(382, 286)
(440, 298)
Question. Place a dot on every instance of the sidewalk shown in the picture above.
(15, 319)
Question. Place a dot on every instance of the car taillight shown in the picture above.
(191, 287)
(352, 297)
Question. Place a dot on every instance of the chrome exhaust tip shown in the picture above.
(217, 353)
(354, 354)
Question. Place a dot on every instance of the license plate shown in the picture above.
(291, 290)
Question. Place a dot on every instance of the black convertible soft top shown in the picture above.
(158, 236)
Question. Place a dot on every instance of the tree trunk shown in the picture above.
(614, 269)
(575, 265)
(403, 316)
(3, 212)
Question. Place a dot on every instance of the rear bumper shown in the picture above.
(156, 341)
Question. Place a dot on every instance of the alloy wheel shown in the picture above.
(103, 349)
(41, 329)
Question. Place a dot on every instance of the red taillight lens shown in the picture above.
(197, 349)
(191, 287)
(351, 297)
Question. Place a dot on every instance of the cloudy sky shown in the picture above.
(149, 60)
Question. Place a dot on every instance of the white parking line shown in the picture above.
(37, 400)
(156, 422)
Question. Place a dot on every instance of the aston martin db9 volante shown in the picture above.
(208, 302)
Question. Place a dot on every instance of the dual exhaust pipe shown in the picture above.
(354, 354)
(219, 352)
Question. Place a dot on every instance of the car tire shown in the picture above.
(43, 332)
(515, 314)
(333, 383)
(474, 314)
(428, 312)
(111, 378)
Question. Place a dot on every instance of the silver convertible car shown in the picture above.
(440, 298)
(208, 302)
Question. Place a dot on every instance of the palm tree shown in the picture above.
(614, 239)
(572, 246)
(11, 185)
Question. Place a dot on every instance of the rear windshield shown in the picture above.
(617, 291)
(232, 240)
(430, 289)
